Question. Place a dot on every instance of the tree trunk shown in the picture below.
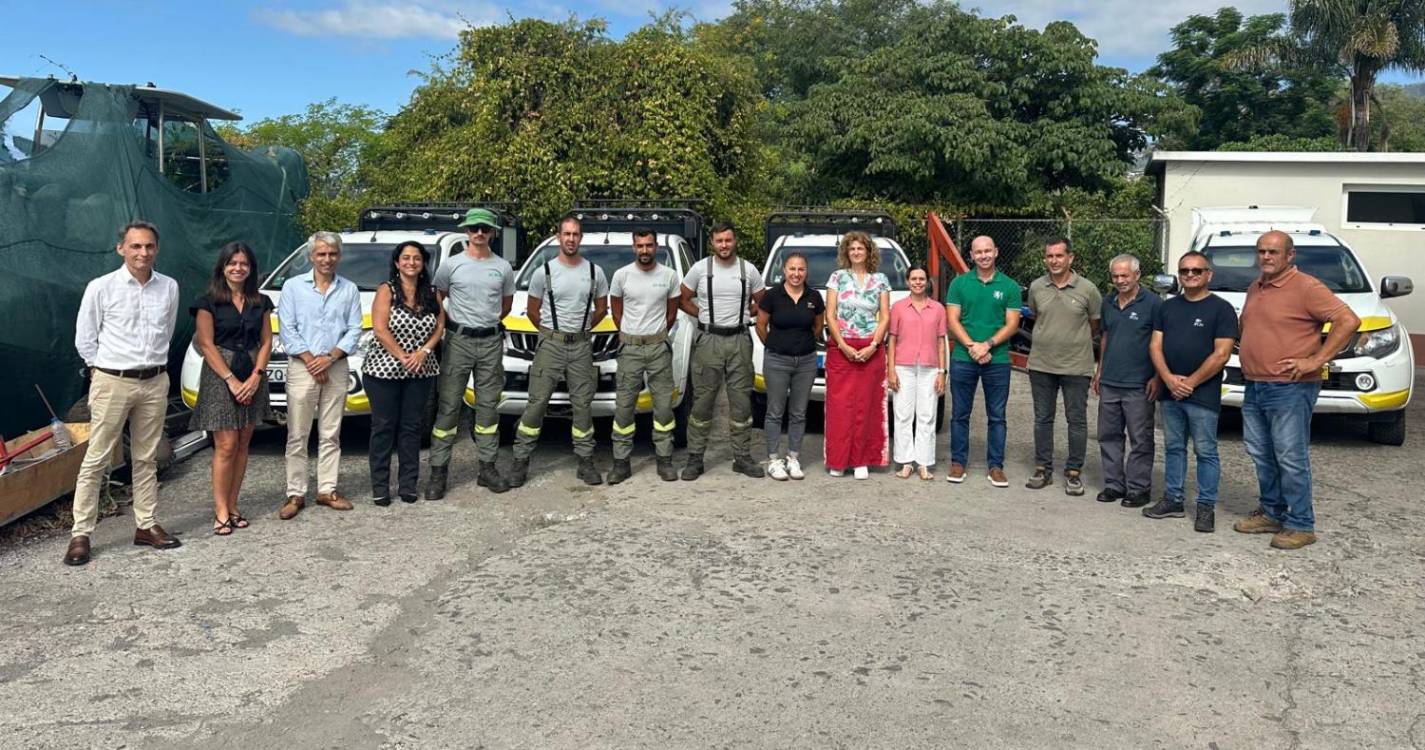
(1363, 82)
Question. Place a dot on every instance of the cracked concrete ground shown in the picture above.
(731, 612)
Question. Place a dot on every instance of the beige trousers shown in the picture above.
(306, 399)
(112, 401)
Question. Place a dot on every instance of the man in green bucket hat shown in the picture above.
(477, 288)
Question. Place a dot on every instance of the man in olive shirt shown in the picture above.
(1282, 356)
(1066, 309)
(983, 314)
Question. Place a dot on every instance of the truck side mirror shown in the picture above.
(1395, 286)
(1164, 283)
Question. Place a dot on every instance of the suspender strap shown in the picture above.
(588, 303)
(549, 289)
(712, 313)
(741, 294)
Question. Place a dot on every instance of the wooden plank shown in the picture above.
(32, 485)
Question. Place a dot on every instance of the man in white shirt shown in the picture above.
(125, 323)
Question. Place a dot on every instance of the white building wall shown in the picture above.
(1385, 252)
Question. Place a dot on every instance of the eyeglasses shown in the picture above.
(480, 229)
(1191, 271)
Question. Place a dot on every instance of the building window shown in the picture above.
(1385, 207)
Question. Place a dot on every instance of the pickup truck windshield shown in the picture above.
(1235, 266)
(610, 258)
(821, 261)
(364, 264)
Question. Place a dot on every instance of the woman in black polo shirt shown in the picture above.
(789, 319)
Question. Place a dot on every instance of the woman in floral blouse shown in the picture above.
(858, 302)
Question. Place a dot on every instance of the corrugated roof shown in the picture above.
(1160, 158)
(174, 102)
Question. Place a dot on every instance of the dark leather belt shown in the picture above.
(652, 338)
(567, 338)
(144, 374)
(722, 330)
(474, 333)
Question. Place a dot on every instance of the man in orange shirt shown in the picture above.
(1282, 356)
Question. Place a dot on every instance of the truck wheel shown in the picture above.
(1388, 431)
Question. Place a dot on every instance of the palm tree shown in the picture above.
(1365, 37)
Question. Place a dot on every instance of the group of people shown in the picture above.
(1151, 353)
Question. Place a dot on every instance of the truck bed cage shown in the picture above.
(812, 220)
(679, 216)
(445, 217)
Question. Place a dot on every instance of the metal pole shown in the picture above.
(202, 156)
(39, 130)
(160, 137)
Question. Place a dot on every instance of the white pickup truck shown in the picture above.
(1373, 376)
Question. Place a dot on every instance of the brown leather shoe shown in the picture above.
(154, 536)
(291, 508)
(333, 500)
(956, 473)
(1257, 523)
(78, 552)
(997, 477)
(1292, 539)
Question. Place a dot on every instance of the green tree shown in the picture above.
(1364, 38)
(1238, 103)
(548, 114)
(1398, 123)
(969, 110)
(333, 139)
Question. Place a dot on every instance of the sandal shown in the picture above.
(904, 472)
(925, 474)
(222, 528)
(238, 522)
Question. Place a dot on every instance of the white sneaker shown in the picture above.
(862, 472)
(835, 472)
(777, 470)
(794, 468)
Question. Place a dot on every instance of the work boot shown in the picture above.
(1206, 521)
(1109, 495)
(519, 472)
(587, 473)
(693, 467)
(620, 471)
(1136, 499)
(1257, 523)
(489, 478)
(1043, 477)
(1292, 539)
(1165, 508)
(435, 486)
(746, 466)
(666, 472)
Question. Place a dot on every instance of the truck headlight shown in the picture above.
(1378, 344)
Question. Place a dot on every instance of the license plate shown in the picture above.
(276, 374)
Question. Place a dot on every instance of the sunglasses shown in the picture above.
(480, 229)
(1191, 271)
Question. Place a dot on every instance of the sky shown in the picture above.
(266, 58)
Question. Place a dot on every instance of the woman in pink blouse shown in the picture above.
(915, 353)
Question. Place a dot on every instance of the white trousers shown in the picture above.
(325, 402)
(915, 415)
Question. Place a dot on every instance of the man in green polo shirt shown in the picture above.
(983, 310)
(1066, 309)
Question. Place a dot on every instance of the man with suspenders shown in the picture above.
(574, 294)
(719, 292)
(644, 298)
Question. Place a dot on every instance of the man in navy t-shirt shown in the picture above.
(1192, 341)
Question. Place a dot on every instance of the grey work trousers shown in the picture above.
(721, 361)
(572, 362)
(1045, 388)
(462, 358)
(1125, 414)
(789, 379)
(640, 365)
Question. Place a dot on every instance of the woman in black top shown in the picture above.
(790, 318)
(234, 335)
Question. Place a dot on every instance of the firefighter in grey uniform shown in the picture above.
(477, 288)
(571, 293)
(644, 299)
(720, 292)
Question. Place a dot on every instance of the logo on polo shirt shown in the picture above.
(1133, 315)
(999, 294)
(1197, 323)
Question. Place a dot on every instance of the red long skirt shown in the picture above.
(857, 429)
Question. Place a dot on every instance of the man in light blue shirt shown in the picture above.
(319, 318)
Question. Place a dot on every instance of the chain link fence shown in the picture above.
(1094, 242)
